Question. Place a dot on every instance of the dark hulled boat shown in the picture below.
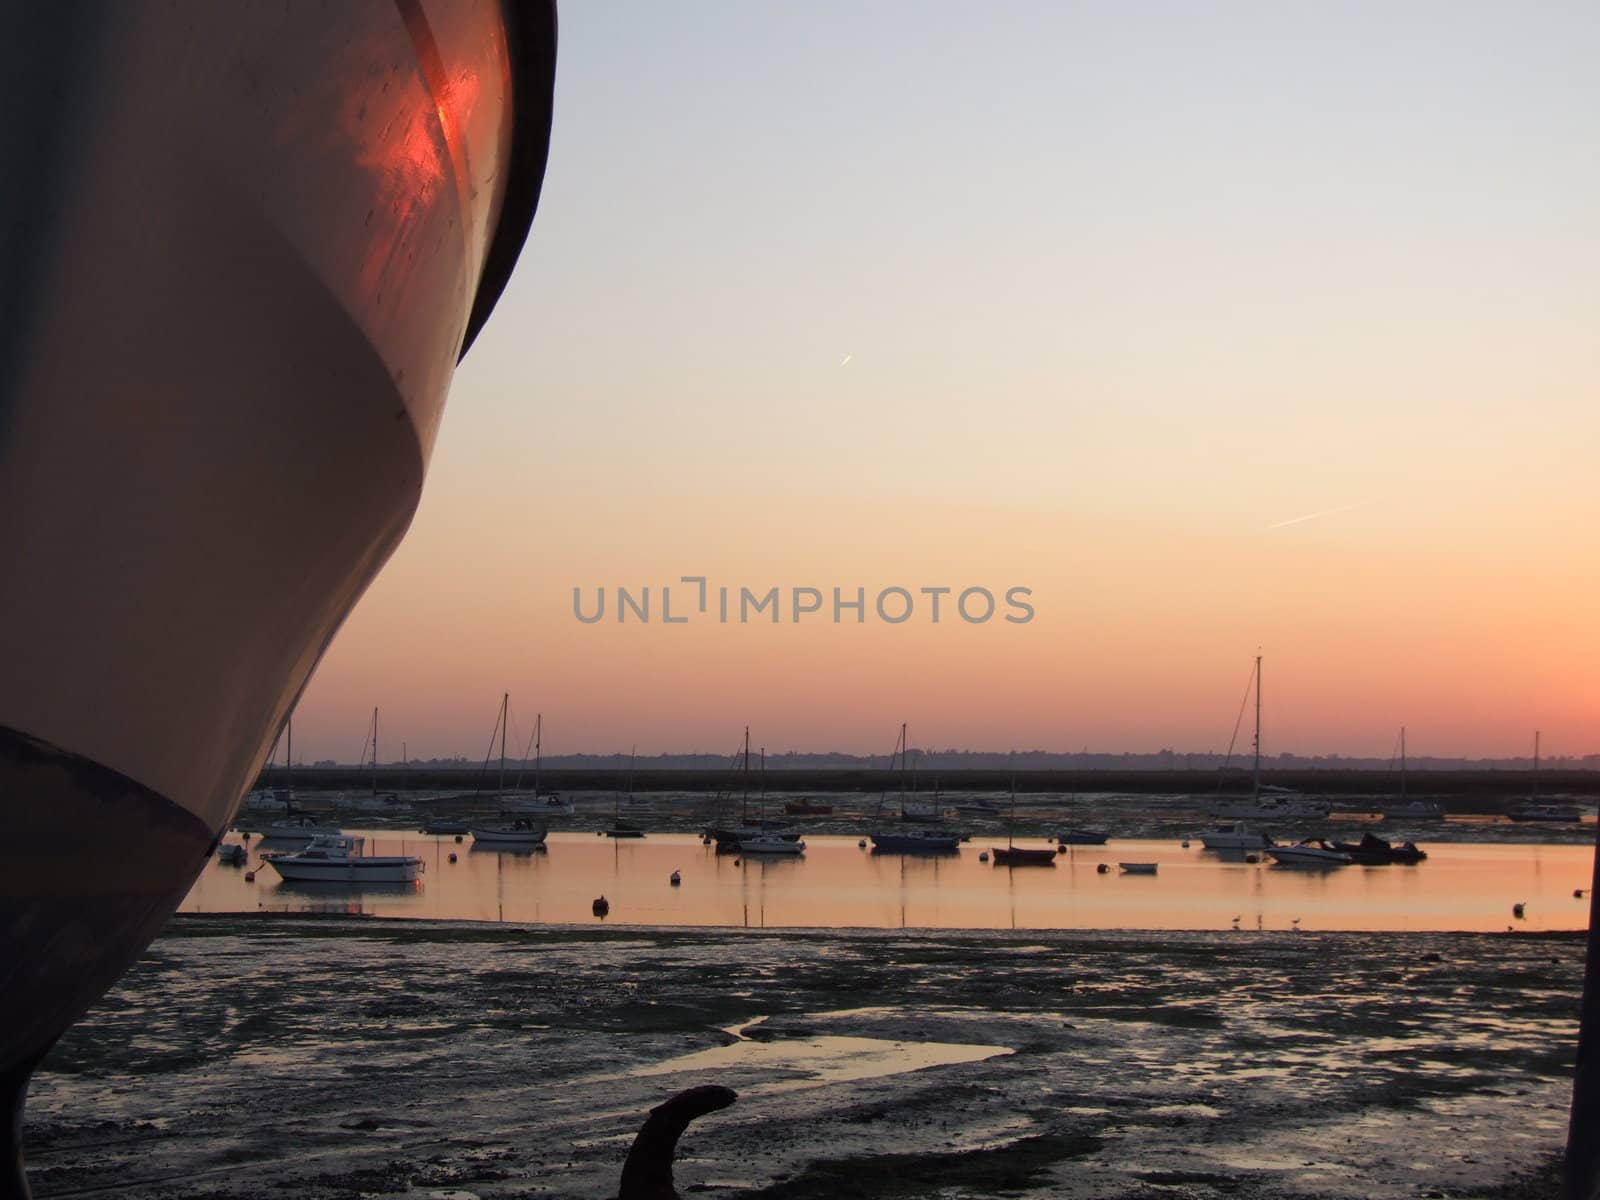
(1374, 851)
(1024, 856)
(244, 248)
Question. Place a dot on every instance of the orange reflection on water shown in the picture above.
(1462, 886)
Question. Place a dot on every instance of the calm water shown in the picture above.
(1462, 886)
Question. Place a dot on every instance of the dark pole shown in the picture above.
(1582, 1171)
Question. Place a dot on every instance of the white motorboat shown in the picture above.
(302, 829)
(523, 832)
(1311, 853)
(342, 860)
(1237, 836)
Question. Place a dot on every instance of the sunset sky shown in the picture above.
(1093, 299)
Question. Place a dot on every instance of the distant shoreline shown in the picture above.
(1493, 790)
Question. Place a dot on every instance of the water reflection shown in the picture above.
(837, 884)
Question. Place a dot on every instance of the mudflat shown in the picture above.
(336, 1056)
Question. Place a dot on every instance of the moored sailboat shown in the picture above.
(918, 838)
(1013, 855)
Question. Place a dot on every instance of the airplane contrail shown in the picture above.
(1327, 512)
(846, 359)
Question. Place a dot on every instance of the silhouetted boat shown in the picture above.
(935, 838)
(1373, 850)
(1407, 807)
(916, 841)
(1237, 836)
(1012, 855)
(1023, 856)
(1564, 813)
(1266, 802)
(1138, 868)
(244, 247)
(1081, 837)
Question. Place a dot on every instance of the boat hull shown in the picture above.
(252, 244)
(1082, 837)
(508, 837)
(1017, 856)
(905, 843)
(772, 848)
(1300, 856)
(356, 871)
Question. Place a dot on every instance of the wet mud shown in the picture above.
(347, 1057)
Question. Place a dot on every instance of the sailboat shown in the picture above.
(551, 802)
(515, 829)
(1013, 855)
(1533, 810)
(1266, 803)
(250, 245)
(732, 838)
(618, 827)
(294, 827)
(1409, 807)
(763, 841)
(933, 839)
(1074, 836)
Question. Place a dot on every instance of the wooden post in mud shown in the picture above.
(1582, 1169)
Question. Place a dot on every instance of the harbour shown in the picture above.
(837, 883)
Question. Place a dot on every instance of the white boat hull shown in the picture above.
(508, 837)
(1307, 856)
(357, 871)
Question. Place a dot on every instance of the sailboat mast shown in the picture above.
(1255, 787)
(1535, 764)
(744, 778)
(505, 707)
(374, 751)
(538, 750)
(288, 770)
(903, 744)
(1402, 762)
(763, 817)
(1011, 825)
